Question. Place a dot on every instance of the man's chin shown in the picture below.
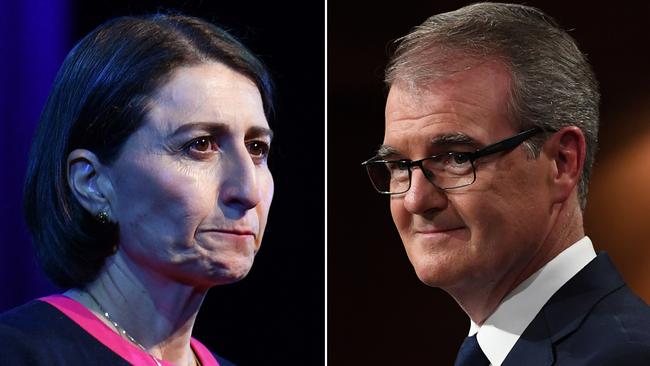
(433, 280)
(439, 272)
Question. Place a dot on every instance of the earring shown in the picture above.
(102, 217)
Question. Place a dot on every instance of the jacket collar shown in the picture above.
(564, 312)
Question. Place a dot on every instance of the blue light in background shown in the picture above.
(34, 39)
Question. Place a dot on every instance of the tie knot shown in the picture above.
(470, 354)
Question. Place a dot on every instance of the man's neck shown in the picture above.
(503, 328)
(480, 299)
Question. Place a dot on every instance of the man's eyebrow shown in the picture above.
(453, 139)
(386, 151)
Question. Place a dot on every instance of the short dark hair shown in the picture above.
(99, 98)
(552, 87)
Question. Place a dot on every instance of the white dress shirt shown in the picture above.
(502, 329)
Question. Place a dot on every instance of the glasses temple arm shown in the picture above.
(507, 144)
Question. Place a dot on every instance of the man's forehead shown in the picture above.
(469, 109)
(473, 96)
(479, 80)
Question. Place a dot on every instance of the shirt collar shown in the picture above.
(503, 328)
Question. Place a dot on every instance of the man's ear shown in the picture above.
(567, 149)
(88, 182)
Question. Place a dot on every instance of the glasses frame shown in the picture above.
(500, 146)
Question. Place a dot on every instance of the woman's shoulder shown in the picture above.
(206, 356)
(29, 318)
(222, 361)
(24, 332)
(37, 333)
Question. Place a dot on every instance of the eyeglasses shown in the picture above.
(448, 170)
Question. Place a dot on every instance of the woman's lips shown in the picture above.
(235, 232)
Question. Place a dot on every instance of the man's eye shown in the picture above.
(459, 158)
(258, 149)
(403, 164)
(458, 164)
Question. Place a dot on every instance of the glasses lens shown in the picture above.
(449, 171)
(389, 177)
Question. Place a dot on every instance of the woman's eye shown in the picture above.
(201, 145)
(258, 149)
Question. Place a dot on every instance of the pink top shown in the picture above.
(116, 343)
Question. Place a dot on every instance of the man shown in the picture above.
(491, 131)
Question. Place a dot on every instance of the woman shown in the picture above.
(147, 185)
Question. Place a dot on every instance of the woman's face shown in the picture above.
(192, 188)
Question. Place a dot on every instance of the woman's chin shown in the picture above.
(231, 271)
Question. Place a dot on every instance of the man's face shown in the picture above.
(484, 234)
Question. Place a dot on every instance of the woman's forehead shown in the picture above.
(206, 93)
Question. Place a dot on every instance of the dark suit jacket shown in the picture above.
(594, 319)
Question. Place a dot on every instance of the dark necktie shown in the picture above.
(470, 354)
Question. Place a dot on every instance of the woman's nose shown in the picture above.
(239, 187)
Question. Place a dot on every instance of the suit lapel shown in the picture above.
(564, 312)
(573, 302)
(534, 347)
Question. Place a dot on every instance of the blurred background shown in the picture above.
(274, 316)
(378, 311)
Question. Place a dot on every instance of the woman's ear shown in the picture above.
(88, 182)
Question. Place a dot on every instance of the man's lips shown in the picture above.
(432, 231)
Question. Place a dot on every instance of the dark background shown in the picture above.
(378, 311)
(274, 316)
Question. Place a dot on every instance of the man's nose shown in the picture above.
(239, 188)
(423, 196)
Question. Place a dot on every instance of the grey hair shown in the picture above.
(552, 84)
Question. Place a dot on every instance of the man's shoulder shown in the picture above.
(617, 353)
(594, 319)
(621, 317)
(604, 306)
(615, 331)
(626, 312)
(600, 295)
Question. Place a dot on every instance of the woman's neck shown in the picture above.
(156, 311)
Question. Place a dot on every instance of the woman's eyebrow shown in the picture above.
(216, 128)
(259, 131)
(210, 127)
